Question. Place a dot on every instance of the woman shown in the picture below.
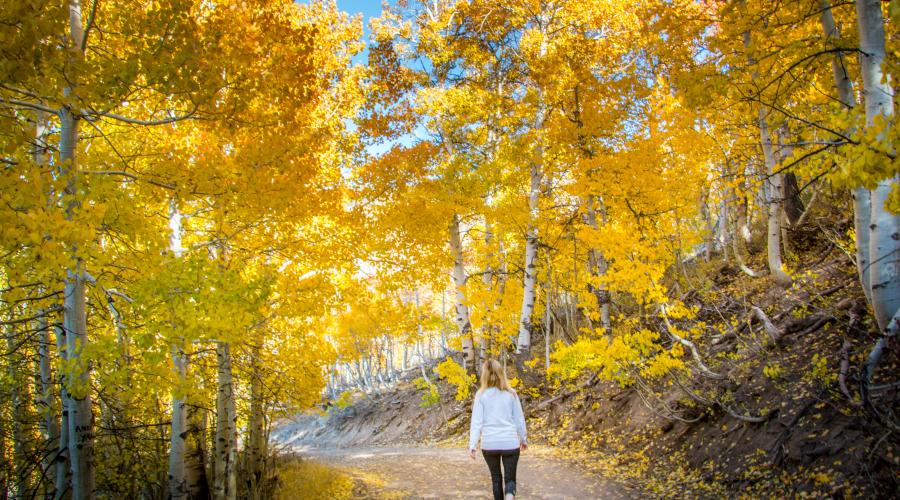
(498, 420)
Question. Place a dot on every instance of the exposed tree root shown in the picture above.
(772, 331)
(871, 365)
(690, 345)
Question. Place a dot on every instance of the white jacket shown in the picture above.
(498, 420)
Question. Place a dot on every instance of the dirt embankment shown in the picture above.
(389, 418)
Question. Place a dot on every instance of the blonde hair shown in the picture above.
(493, 375)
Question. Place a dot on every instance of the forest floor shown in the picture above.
(448, 472)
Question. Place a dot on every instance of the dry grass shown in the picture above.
(312, 480)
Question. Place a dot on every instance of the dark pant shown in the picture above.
(510, 459)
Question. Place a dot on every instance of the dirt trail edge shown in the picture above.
(434, 472)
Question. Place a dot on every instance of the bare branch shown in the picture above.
(92, 115)
(30, 105)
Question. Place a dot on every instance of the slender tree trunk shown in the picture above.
(722, 229)
(487, 280)
(597, 267)
(256, 446)
(862, 197)
(774, 201)
(707, 220)
(884, 235)
(743, 223)
(793, 204)
(47, 402)
(62, 478)
(81, 419)
(463, 324)
(739, 238)
(548, 325)
(178, 433)
(17, 394)
(195, 477)
(226, 420)
(444, 348)
(389, 358)
(523, 343)
(404, 362)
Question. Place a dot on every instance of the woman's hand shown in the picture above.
(523, 446)
(472, 454)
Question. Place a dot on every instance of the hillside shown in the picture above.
(780, 424)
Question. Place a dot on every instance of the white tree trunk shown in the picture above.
(463, 324)
(597, 266)
(80, 413)
(884, 237)
(743, 222)
(225, 482)
(80, 417)
(548, 326)
(47, 402)
(862, 197)
(774, 203)
(523, 343)
(404, 361)
(774, 196)
(444, 348)
(722, 229)
(62, 476)
(49, 425)
(487, 280)
(178, 433)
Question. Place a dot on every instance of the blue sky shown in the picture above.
(368, 9)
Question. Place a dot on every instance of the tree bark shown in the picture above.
(178, 432)
(774, 201)
(529, 292)
(256, 446)
(487, 280)
(743, 224)
(78, 401)
(62, 478)
(862, 197)
(196, 481)
(597, 267)
(17, 394)
(523, 342)
(81, 420)
(226, 420)
(884, 235)
(463, 324)
(47, 402)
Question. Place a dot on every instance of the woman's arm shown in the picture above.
(477, 422)
(519, 419)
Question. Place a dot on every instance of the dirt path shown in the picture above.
(450, 473)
